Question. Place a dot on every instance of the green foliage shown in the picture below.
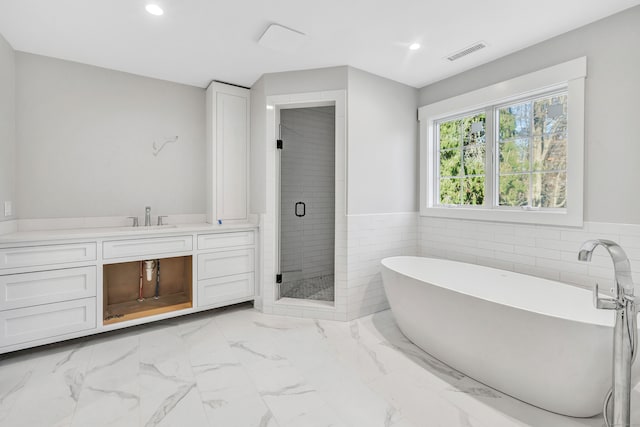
(514, 190)
(513, 155)
(532, 153)
(462, 160)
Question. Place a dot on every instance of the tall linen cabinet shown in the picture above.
(227, 153)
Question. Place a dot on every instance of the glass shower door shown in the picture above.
(307, 203)
(292, 213)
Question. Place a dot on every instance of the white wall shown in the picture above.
(612, 108)
(383, 145)
(372, 238)
(538, 250)
(85, 137)
(7, 128)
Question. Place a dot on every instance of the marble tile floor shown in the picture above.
(237, 367)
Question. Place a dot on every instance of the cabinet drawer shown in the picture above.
(219, 264)
(225, 240)
(45, 321)
(43, 287)
(143, 247)
(225, 289)
(46, 255)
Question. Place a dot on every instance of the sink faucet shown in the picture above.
(147, 216)
(625, 331)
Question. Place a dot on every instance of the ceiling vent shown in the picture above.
(466, 51)
(282, 39)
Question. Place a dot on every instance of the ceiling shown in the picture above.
(196, 41)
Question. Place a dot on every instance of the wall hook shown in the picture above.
(158, 147)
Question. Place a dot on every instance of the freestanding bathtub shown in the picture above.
(537, 340)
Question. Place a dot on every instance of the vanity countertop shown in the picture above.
(119, 232)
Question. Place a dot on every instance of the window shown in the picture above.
(532, 152)
(531, 147)
(462, 153)
(508, 152)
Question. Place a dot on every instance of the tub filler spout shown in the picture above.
(625, 330)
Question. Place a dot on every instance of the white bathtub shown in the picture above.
(537, 340)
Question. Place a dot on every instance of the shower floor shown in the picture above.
(316, 288)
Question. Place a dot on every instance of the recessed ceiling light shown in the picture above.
(154, 9)
(414, 46)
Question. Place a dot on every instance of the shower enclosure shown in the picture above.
(307, 203)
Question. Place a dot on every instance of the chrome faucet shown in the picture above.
(625, 331)
(621, 265)
(147, 216)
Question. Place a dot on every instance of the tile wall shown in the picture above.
(370, 238)
(544, 251)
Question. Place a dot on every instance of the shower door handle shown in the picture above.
(304, 209)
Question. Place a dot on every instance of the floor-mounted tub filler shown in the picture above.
(538, 340)
(625, 331)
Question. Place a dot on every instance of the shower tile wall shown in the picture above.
(308, 175)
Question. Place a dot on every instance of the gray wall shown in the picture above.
(612, 106)
(382, 145)
(7, 128)
(85, 137)
(317, 80)
(382, 136)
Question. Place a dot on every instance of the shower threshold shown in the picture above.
(308, 303)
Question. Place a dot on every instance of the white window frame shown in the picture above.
(569, 76)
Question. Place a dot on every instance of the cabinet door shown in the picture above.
(226, 240)
(146, 247)
(228, 152)
(43, 287)
(45, 321)
(225, 290)
(47, 254)
(227, 263)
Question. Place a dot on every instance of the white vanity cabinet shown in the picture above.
(227, 153)
(62, 288)
(226, 268)
(44, 293)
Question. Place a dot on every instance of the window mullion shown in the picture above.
(531, 139)
(461, 170)
(490, 163)
(436, 167)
